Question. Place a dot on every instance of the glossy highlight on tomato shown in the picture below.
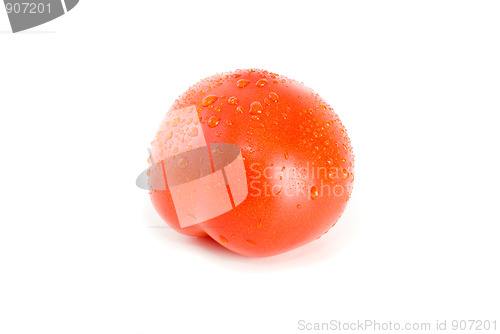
(297, 156)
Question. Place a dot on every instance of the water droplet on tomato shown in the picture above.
(232, 100)
(278, 192)
(242, 83)
(182, 163)
(255, 108)
(274, 97)
(261, 83)
(216, 152)
(213, 121)
(251, 242)
(314, 192)
(345, 173)
(223, 239)
(208, 100)
(228, 122)
(192, 132)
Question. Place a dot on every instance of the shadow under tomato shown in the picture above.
(324, 249)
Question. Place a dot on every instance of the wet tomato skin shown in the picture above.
(297, 155)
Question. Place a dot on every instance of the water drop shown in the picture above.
(242, 83)
(216, 152)
(255, 108)
(232, 100)
(314, 192)
(192, 132)
(240, 109)
(251, 243)
(278, 192)
(261, 83)
(213, 121)
(274, 97)
(182, 163)
(208, 100)
(259, 224)
(228, 122)
(223, 239)
(169, 135)
(175, 121)
(345, 173)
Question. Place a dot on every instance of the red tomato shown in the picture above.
(297, 156)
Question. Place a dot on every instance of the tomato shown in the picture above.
(297, 158)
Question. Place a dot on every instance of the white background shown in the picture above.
(416, 84)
